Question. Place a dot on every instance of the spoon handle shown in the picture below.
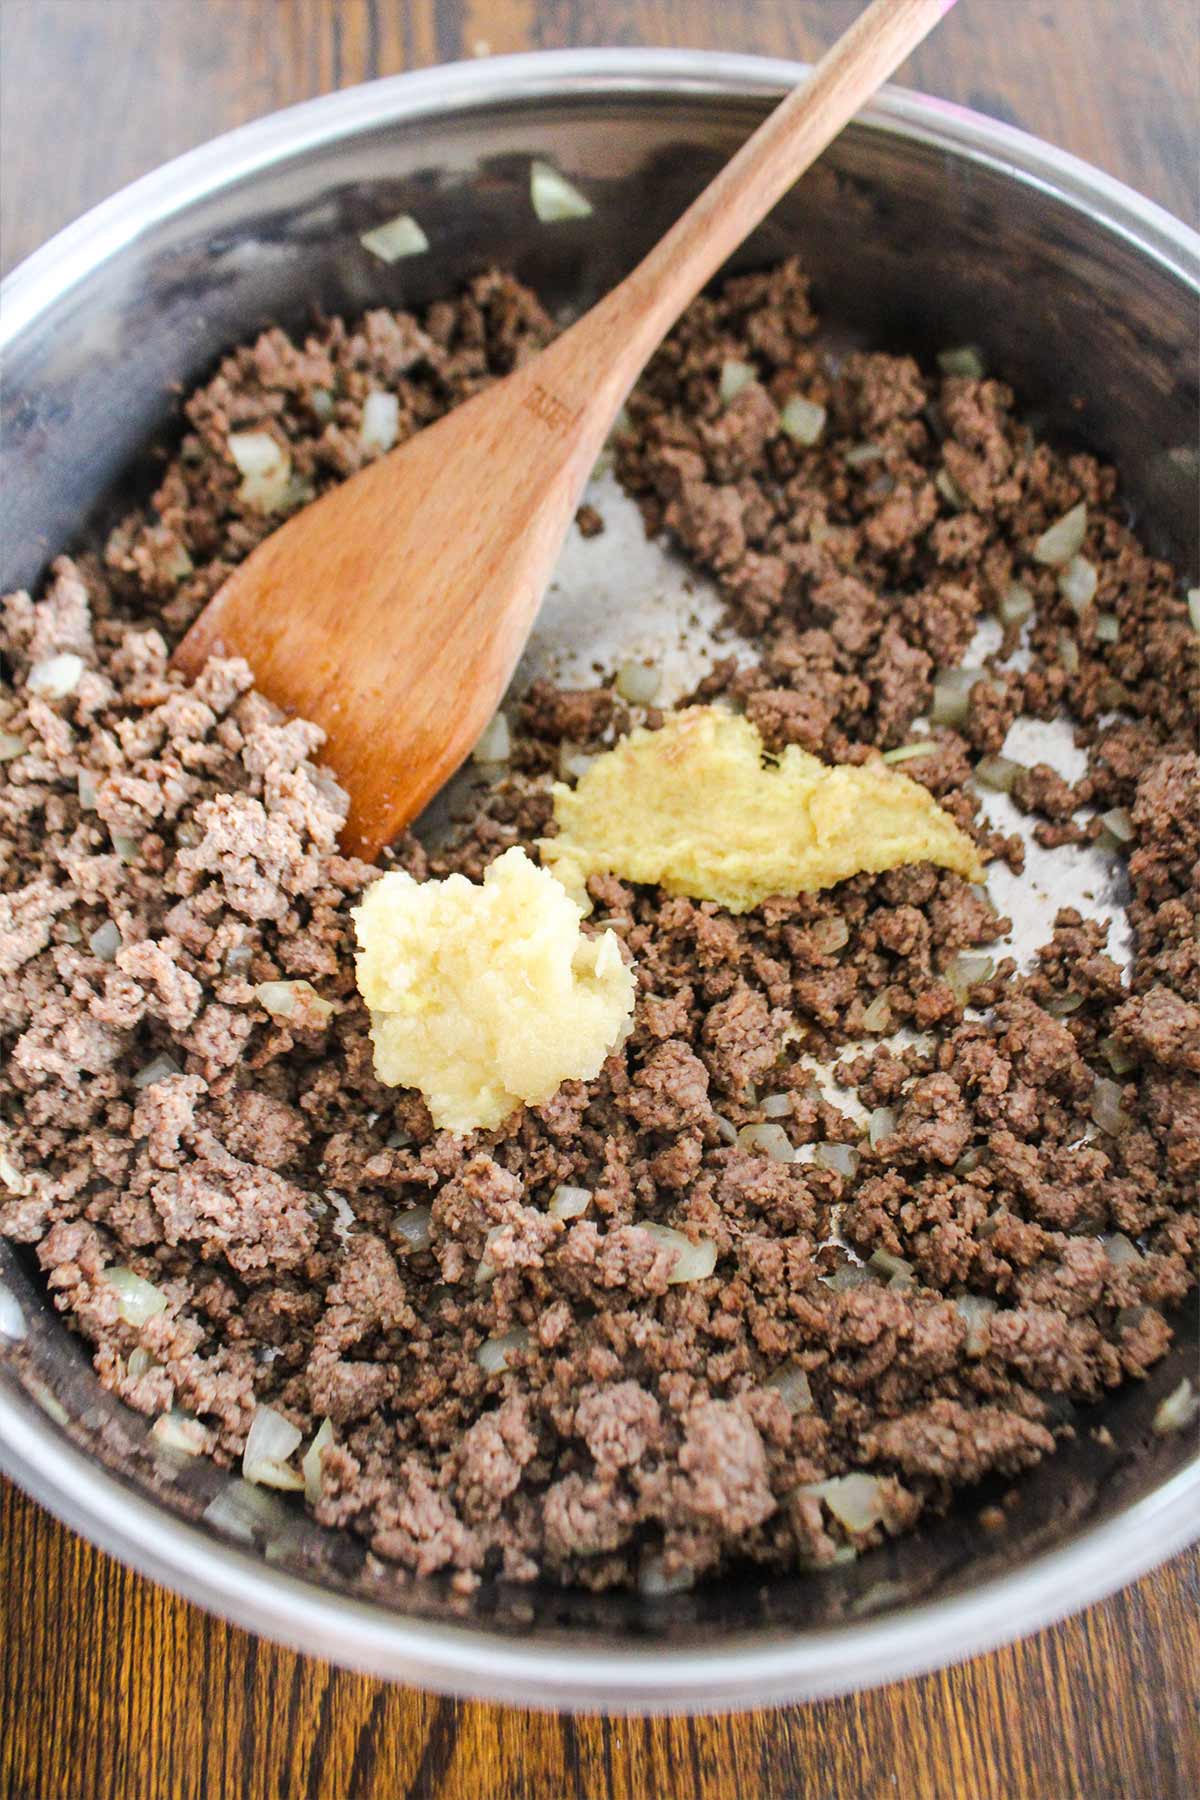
(637, 314)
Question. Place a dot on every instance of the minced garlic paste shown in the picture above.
(486, 996)
(699, 808)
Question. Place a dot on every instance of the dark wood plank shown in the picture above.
(110, 1688)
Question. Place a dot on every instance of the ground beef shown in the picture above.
(507, 1390)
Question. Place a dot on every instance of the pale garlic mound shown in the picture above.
(487, 996)
(699, 808)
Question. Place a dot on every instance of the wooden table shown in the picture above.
(112, 1689)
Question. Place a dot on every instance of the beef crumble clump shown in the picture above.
(916, 1304)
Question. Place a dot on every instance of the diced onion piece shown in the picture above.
(1119, 825)
(11, 745)
(137, 1299)
(55, 676)
(1015, 605)
(1193, 600)
(830, 935)
(413, 1226)
(1177, 1411)
(1108, 628)
(1106, 1109)
(858, 455)
(179, 1432)
(885, 1263)
(803, 420)
(269, 1442)
(772, 1140)
(493, 1354)
(792, 1386)
(1120, 1249)
(878, 1015)
(265, 468)
(12, 1319)
(105, 941)
(856, 1501)
(1061, 1006)
(238, 959)
(87, 788)
(880, 1125)
(380, 421)
(965, 360)
(693, 1262)
(568, 1202)
(1077, 583)
(726, 1128)
(140, 1361)
(842, 1159)
(967, 969)
(734, 377)
(777, 1106)
(655, 1584)
(321, 401)
(159, 1068)
(1117, 1056)
(951, 695)
(849, 1275)
(906, 752)
(969, 1160)
(638, 682)
(998, 773)
(310, 1462)
(553, 197)
(296, 1000)
(127, 848)
(495, 746)
(976, 1310)
(14, 1180)
(1063, 539)
(573, 762)
(397, 237)
(950, 491)
(1068, 653)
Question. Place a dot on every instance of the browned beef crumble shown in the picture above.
(1009, 1254)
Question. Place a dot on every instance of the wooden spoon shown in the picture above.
(393, 609)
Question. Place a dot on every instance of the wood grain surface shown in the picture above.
(111, 1688)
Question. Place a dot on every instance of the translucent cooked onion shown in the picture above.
(830, 935)
(802, 420)
(238, 959)
(54, 677)
(413, 1226)
(878, 1015)
(771, 1139)
(159, 1068)
(265, 468)
(397, 237)
(495, 746)
(856, 1501)
(1061, 1006)
(1015, 605)
(568, 1202)
(321, 401)
(885, 1263)
(777, 1106)
(967, 970)
(1063, 539)
(1193, 600)
(965, 360)
(880, 1125)
(849, 1275)
(310, 1462)
(1120, 1249)
(553, 197)
(105, 941)
(14, 1180)
(968, 1161)
(140, 1362)
(792, 1386)
(493, 1354)
(1068, 653)
(1119, 825)
(858, 455)
(638, 682)
(573, 762)
(87, 788)
(1117, 1056)
(1108, 628)
(998, 773)
(842, 1159)
(906, 752)
(137, 1299)
(734, 377)
(950, 491)
(296, 1000)
(1177, 1411)
(380, 421)
(1077, 583)
(269, 1442)
(976, 1310)
(952, 694)
(1106, 1109)
(126, 847)
(12, 1319)
(693, 1262)
(10, 746)
(726, 1128)
(181, 1433)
